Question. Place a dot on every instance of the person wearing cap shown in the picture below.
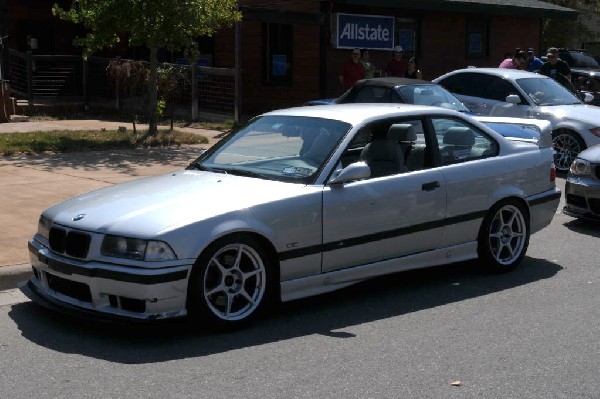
(351, 71)
(555, 67)
(534, 63)
(396, 66)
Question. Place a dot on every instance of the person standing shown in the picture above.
(555, 67)
(412, 70)
(351, 70)
(367, 65)
(533, 63)
(396, 66)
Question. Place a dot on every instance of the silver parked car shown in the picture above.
(582, 188)
(297, 202)
(521, 94)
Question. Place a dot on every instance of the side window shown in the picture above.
(460, 142)
(493, 88)
(390, 147)
(370, 94)
(458, 84)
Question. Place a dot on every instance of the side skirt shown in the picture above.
(331, 281)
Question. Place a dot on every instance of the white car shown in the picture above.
(297, 202)
(521, 94)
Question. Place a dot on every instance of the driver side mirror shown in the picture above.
(354, 171)
(587, 97)
(513, 99)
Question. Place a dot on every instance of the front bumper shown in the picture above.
(108, 290)
(582, 198)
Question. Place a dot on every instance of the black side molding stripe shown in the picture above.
(547, 198)
(384, 235)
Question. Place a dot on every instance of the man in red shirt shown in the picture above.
(351, 71)
(396, 66)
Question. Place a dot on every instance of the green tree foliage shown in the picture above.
(168, 24)
(562, 33)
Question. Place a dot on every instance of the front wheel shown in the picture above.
(230, 283)
(567, 146)
(504, 236)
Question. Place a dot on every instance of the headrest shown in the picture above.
(459, 135)
(402, 132)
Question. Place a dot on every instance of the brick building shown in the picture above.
(291, 51)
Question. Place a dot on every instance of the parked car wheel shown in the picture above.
(504, 236)
(230, 283)
(567, 146)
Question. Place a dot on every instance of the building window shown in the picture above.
(477, 38)
(406, 35)
(278, 44)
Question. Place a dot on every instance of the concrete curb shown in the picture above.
(10, 276)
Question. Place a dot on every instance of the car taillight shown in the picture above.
(552, 173)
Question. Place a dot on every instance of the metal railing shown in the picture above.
(46, 78)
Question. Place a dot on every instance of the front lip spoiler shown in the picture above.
(30, 290)
(580, 215)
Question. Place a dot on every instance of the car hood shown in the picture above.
(155, 205)
(592, 154)
(579, 112)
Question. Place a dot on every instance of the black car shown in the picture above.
(397, 90)
(586, 80)
(585, 72)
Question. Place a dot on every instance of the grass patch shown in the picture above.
(89, 140)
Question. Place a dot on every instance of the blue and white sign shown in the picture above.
(374, 32)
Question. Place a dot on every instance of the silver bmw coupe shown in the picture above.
(296, 202)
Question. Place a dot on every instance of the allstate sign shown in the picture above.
(365, 31)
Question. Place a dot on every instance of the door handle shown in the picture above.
(432, 185)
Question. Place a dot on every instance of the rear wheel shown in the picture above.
(504, 236)
(567, 146)
(230, 283)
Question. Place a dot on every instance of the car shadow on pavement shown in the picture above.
(583, 226)
(118, 161)
(381, 298)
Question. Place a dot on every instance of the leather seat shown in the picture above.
(384, 155)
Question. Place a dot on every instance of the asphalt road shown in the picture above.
(447, 332)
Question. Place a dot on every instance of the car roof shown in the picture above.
(500, 72)
(392, 82)
(355, 113)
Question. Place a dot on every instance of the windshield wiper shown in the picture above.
(198, 166)
(244, 172)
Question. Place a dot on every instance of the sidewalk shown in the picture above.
(30, 184)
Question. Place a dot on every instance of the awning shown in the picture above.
(530, 8)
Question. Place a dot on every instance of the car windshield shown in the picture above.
(544, 91)
(431, 95)
(284, 148)
(583, 60)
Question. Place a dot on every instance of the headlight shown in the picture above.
(581, 167)
(44, 227)
(595, 131)
(136, 249)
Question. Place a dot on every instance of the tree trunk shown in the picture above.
(152, 93)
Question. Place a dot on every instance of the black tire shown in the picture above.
(504, 236)
(231, 283)
(567, 146)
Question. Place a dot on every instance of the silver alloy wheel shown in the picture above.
(567, 148)
(507, 234)
(234, 282)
